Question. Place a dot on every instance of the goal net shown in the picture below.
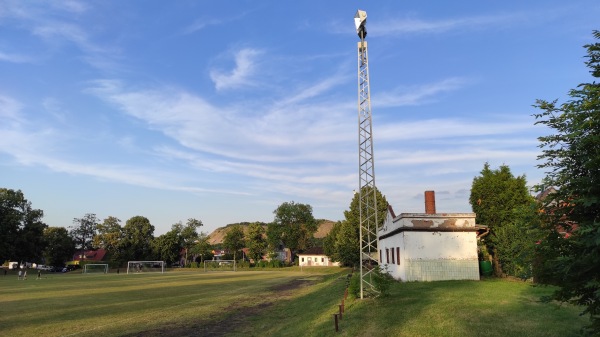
(95, 268)
(220, 265)
(134, 267)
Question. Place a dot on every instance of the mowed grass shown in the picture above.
(288, 302)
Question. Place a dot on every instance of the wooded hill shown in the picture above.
(217, 236)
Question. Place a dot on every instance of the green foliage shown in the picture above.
(382, 280)
(571, 154)
(342, 243)
(256, 241)
(354, 286)
(21, 228)
(294, 225)
(109, 236)
(168, 246)
(83, 231)
(138, 238)
(517, 239)
(59, 246)
(234, 239)
(495, 197)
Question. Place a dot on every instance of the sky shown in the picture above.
(223, 110)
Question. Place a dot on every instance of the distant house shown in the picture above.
(89, 255)
(315, 257)
(429, 246)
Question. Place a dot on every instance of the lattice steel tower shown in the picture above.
(366, 167)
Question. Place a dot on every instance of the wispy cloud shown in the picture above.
(418, 95)
(15, 58)
(241, 75)
(411, 25)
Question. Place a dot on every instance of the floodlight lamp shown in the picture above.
(360, 21)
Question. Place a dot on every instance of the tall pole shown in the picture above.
(366, 167)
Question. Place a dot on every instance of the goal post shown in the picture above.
(95, 268)
(219, 265)
(134, 267)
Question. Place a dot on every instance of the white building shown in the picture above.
(429, 246)
(315, 257)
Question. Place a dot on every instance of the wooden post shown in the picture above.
(335, 318)
(341, 310)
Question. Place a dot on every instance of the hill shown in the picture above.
(217, 236)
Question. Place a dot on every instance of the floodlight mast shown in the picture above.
(366, 167)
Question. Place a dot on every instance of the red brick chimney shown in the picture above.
(430, 202)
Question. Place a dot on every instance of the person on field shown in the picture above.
(20, 274)
(25, 275)
(39, 275)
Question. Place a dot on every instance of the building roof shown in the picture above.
(313, 251)
(90, 255)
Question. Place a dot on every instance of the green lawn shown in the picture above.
(286, 302)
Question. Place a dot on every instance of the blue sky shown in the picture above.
(223, 110)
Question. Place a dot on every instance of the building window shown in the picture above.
(393, 262)
(398, 255)
(302, 259)
(387, 256)
(322, 259)
(380, 255)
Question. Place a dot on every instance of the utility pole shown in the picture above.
(366, 166)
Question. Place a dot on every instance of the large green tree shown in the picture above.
(571, 158)
(138, 237)
(60, 246)
(234, 239)
(21, 228)
(109, 236)
(83, 231)
(167, 247)
(256, 241)
(495, 195)
(294, 225)
(342, 244)
(188, 234)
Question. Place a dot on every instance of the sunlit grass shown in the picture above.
(265, 303)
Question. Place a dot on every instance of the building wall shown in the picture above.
(315, 260)
(422, 247)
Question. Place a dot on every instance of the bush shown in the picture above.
(354, 286)
(382, 280)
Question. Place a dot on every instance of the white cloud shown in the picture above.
(410, 25)
(241, 75)
(15, 58)
(419, 94)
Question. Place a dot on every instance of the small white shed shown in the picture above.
(429, 246)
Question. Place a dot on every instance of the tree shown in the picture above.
(495, 195)
(571, 156)
(83, 231)
(342, 244)
(189, 235)
(256, 241)
(21, 228)
(168, 246)
(138, 237)
(59, 246)
(110, 237)
(234, 239)
(294, 225)
(202, 248)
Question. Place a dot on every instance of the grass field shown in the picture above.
(286, 302)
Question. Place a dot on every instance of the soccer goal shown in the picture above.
(134, 267)
(95, 268)
(219, 265)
